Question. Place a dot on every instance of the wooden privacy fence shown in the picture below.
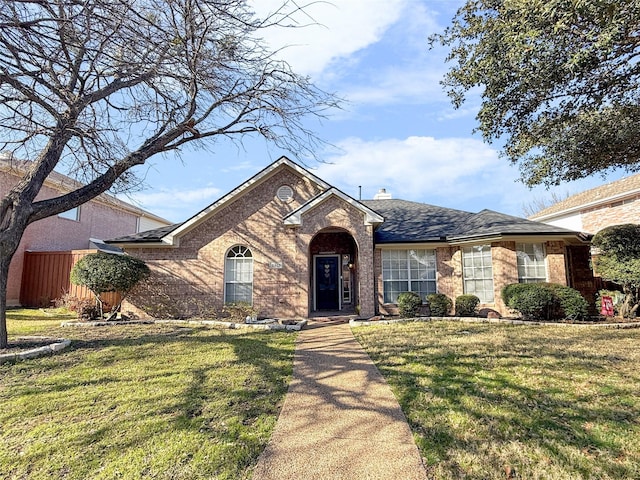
(45, 278)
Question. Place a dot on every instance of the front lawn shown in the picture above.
(495, 402)
(150, 401)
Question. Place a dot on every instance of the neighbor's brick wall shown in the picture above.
(97, 220)
(595, 220)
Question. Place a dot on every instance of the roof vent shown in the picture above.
(382, 195)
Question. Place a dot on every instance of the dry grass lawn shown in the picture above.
(150, 401)
(497, 401)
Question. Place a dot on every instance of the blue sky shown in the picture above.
(398, 129)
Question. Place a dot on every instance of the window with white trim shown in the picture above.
(73, 214)
(408, 271)
(477, 271)
(532, 266)
(238, 275)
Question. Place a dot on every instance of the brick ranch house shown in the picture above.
(81, 228)
(292, 245)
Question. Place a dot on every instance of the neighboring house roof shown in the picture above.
(418, 222)
(604, 194)
(63, 183)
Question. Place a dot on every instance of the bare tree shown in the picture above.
(537, 204)
(97, 87)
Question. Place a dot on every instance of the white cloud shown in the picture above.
(400, 83)
(462, 173)
(328, 30)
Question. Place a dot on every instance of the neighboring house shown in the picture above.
(81, 228)
(292, 245)
(592, 210)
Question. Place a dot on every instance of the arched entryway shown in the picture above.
(333, 282)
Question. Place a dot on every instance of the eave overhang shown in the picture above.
(294, 219)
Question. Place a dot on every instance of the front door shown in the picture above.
(327, 282)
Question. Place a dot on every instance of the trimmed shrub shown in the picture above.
(545, 301)
(439, 304)
(408, 304)
(571, 304)
(106, 272)
(508, 291)
(466, 305)
(534, 302)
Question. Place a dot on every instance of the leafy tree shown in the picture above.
(618, 261)
(105, 272)
(97, 87)
(559, 81)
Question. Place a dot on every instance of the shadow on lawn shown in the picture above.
(582, 429)
(118, 379)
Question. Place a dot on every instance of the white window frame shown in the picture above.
(531, 257)
(476, 271)
(235, 262)
(413, 267)
(72, 214)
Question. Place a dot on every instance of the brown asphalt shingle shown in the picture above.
(340, 419)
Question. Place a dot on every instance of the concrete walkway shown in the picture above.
(340, 419)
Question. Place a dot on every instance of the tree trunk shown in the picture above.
(12, 226)
(5, 261)
(629, 305)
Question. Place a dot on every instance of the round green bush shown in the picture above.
(545, 301)
(534, 302)
(569, 303)
(439, 304)
(408, 304)
(508, 291)
(466, 305)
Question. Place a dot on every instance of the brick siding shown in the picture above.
(449, 276)
(189, 280)
(616, 214)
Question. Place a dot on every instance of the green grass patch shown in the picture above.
(32, 321)
(148, 401)
(496, 402)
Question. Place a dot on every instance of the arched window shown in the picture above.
(238, 275)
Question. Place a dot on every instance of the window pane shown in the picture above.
(478, 279)
(531, 262)
(408, 270)
(238, 274)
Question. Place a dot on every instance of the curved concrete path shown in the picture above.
(340, 419)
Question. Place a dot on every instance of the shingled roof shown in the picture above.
(411, 222)
(419, 222)
(149, 236)
(595, 196)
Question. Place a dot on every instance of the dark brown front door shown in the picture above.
(327, 283)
